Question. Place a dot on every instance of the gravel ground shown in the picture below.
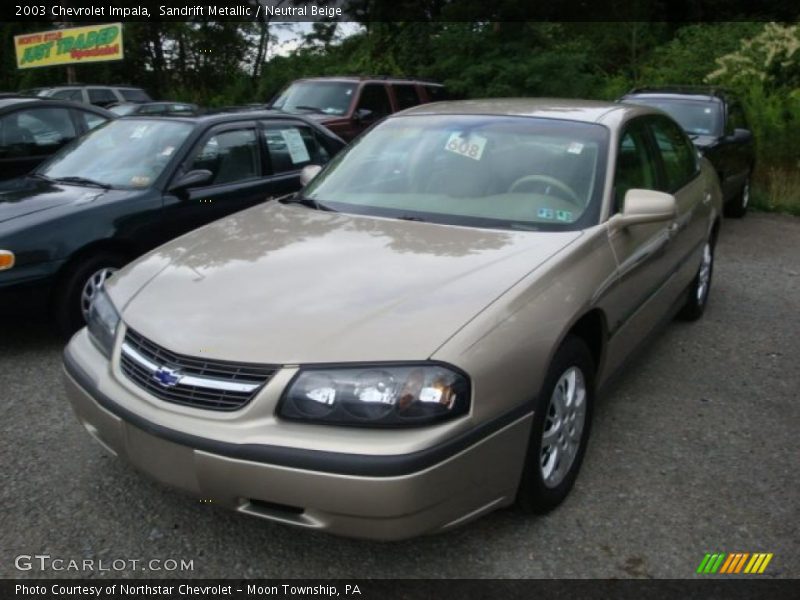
(695, 449)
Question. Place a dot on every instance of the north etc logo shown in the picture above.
(735, 563)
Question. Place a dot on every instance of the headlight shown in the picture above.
(103, 321)
(376, 395)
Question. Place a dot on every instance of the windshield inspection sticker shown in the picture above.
(139, 131)
(140, 181)
(471, 148)
(575, 148)
(296, 146)
(545, 213)
(563, 215)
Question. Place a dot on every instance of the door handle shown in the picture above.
(707, 198)
(673, 229)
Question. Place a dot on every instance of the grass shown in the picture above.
(777, 189)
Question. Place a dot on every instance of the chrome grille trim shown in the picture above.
(203, 382)
(199, 383)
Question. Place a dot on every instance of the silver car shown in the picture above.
(418, 337)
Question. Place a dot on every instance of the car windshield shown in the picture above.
(484, 171)
(327, 97)
(127, 154)
(697, 117)
(123, 109)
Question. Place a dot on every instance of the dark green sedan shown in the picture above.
(131, 185)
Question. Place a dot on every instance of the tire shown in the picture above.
(737, 208)
(78, 283)
(700, 288)
(547, 479)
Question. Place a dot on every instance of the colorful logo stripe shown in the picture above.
(734, 563)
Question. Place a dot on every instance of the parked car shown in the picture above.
(31, 129)
(716, 123)
(130, 186)
(417, 337)
(99, 95)
(348, 105)
(168, 109)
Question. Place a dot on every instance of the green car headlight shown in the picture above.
(377, 395)
(103, 322)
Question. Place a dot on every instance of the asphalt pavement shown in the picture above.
(695, 449)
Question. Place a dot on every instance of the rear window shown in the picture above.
(696, 117)
(134, 95)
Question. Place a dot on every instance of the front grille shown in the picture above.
(190, 381)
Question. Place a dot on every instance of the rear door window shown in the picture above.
(406, 96)
(436, 93)
(375, 99)
(101, 96)
(291, 147)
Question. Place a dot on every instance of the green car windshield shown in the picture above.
(125, 154)
(484, 171)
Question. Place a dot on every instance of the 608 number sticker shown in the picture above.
(471, 147)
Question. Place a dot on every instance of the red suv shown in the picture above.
(348, 105)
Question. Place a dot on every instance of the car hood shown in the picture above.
(27, 195)
(284, 284)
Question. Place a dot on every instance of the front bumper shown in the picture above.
(360, 495)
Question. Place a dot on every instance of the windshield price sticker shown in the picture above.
(295, 145)
(471, 147)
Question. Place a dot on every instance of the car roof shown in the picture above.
(359, 78)
(22, 101)
(223, 117)
(681, 91)
(587, 111)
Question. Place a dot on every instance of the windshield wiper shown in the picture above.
(82, 180)
(298, 198)
(411, 218)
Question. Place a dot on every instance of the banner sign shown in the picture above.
(94, 43)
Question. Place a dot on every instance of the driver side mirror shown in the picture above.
(191, 179)
(308, 173)
(742, 135)
(644, 206)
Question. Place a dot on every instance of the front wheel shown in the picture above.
(560, 430)
(78, 287)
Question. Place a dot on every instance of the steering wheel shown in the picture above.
(548, 182)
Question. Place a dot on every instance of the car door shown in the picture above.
(232, 153)
(741, 147)
(290, 146)
(30, 135)
(680, 176)
(641, 251)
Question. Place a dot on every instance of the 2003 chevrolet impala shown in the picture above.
(416, 338)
